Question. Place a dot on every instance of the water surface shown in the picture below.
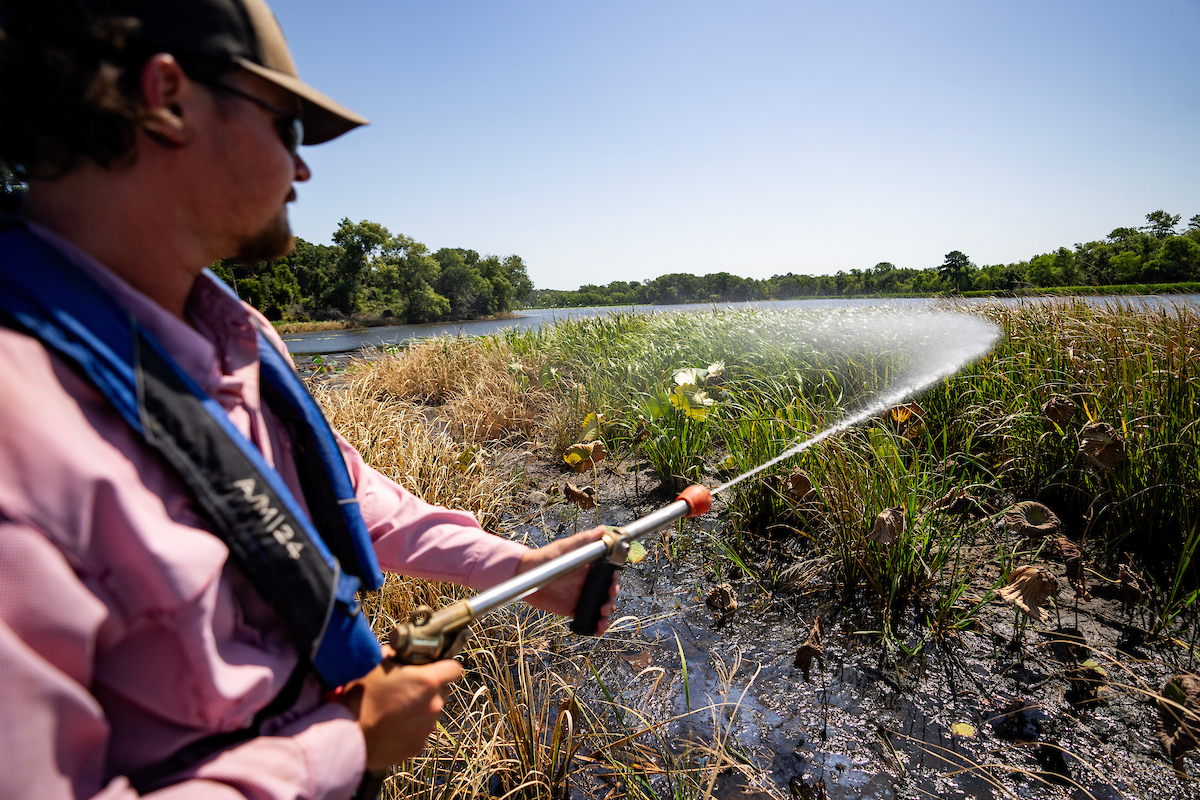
(320, 342)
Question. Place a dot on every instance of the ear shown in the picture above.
(165, 90)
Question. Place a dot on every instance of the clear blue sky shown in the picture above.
(625, 139)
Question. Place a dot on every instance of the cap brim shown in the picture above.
(324, 117)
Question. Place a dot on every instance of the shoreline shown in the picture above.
(288, 327)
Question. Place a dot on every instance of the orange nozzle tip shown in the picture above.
(698, 498)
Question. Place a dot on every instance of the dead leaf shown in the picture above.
(888, 526)
(1133, 585)
(722, 599)
(1179, 717)
(638, 659)
(795, 486)
(1073, 560)
(1058, 409)
(959, 502)
(1032, 520)
(811, 649)
(1028, 588)
(1100, 444)
(583, 456)
(585, 498)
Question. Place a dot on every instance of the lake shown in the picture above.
(322, 342)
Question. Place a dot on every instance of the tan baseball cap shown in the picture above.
(236, 32)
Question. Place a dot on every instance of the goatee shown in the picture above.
(272, 242)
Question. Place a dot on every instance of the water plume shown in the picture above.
(928, 347)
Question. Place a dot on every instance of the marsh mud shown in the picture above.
(973, 713)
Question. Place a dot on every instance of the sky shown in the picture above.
(627, 139)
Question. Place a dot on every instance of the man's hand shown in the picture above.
(397, 706)
(562, 596)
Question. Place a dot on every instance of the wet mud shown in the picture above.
(971, 715)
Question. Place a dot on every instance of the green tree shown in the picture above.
(1126, 266)
(271, 287)
(1193, 229)
(1177, 260)
(1160, 224)
(360, 243)
(460, 282)
(518, 277)
(956, 270)
(315, 269)
(417, 273)
(1066, 271)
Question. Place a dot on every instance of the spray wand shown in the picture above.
(434, 635)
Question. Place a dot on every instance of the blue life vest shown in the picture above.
(308, 578)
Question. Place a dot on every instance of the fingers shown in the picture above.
(443, 672)
(577, 540)
(606, 610)
(534, 557)
(397, 707)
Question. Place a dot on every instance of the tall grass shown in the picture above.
(518, 728)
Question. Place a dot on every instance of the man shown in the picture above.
(180, 534)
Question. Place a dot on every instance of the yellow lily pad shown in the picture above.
(636, 553)
(581, 457)
(691, 401)
(591, 427)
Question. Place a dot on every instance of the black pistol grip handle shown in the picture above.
(593, 595)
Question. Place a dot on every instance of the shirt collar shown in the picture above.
(216, 315)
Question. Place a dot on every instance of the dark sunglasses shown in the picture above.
(288, 124)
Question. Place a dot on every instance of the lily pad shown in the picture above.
(1100, 444)
(1028, 588)
(637, 553)
(1032, 520)
(888, 526)
(470, 460)
(691, 401)
(583, 456)
(811, 649)
(590, 431)
(963, 729)
(584, 497)
(1058, 409)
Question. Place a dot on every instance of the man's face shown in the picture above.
(253, 170)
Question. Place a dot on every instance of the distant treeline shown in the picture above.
(368, 271)
(1153, 253)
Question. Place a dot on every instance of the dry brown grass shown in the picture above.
(284, 328)
(473, 384)
(398, 439)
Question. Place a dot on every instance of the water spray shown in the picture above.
(429, 636)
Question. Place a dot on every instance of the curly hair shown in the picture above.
(66, 97)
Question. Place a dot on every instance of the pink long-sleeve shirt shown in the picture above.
(125, 632)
